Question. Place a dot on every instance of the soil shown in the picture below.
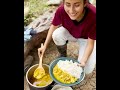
(72, 51)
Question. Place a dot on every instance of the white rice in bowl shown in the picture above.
(70, 67)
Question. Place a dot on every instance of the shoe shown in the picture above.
(62, 50)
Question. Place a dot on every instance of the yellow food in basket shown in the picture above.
(45, 80)
(63, 76)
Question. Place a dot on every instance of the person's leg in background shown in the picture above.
(60, 37)
(90, 65)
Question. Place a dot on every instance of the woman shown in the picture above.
(75, 20)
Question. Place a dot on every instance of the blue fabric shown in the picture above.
(28, 32)
(27, 35)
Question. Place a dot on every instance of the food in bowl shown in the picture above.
(38, 73)
(67, 71)
(44, 81)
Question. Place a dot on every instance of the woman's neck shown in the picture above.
(81, 17)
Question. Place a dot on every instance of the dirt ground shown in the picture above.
(72, 51)
(51, 53)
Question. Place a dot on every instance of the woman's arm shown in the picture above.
(49, 35)
(87, 52)
(48, 39)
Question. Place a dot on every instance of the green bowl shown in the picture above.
(52, 65)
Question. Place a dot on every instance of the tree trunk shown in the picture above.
(35, 41)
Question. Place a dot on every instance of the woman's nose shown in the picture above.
(71, 10)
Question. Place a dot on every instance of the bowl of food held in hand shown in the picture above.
(66, 71)
(38, 84)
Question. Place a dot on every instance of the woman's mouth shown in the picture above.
(72, 15)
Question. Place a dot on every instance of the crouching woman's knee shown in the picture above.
(58, 36)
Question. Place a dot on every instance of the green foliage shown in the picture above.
(30, 17)
(37, 7)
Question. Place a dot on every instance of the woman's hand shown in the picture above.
(82, 64)
(41, 50)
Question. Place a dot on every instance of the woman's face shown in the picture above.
(74, 8)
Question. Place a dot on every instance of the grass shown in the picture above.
(37, 7)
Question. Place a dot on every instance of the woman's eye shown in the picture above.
(77, 5)
(68, 5)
